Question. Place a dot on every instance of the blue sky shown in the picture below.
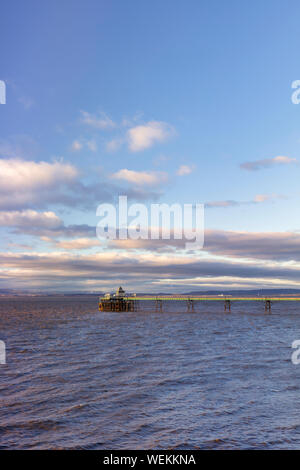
(86, 83)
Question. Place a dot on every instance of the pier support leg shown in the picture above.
(190, 305)
(268, 306)
(227, 305)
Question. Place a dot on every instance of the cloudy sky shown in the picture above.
(164, 101)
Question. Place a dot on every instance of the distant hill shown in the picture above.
(250, 292)
(245, 292)
(237, 292)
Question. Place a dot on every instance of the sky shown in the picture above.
(166, 102)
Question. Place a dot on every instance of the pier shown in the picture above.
(121, 302)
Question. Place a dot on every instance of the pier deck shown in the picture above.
(190, 300)
(217, 298)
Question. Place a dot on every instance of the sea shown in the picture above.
(77, 378)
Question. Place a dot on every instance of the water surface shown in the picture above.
(77, 378)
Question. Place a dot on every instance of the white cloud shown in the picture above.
(76, 146)
(20, 175)
(226, 203)
(101, 121)
(29, 184)
(77, 244)
(144, 136)
(258, 199)
(30, 218)
(267, 162)
(149, 178)
(262, 198)
(280, 159)
(184, 170)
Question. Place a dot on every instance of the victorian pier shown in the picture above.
(122, 302)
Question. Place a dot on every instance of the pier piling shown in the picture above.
(268, 306)
(190, 305)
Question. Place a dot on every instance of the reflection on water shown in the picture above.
(78, 378)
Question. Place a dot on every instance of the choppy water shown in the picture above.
(78, 378)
